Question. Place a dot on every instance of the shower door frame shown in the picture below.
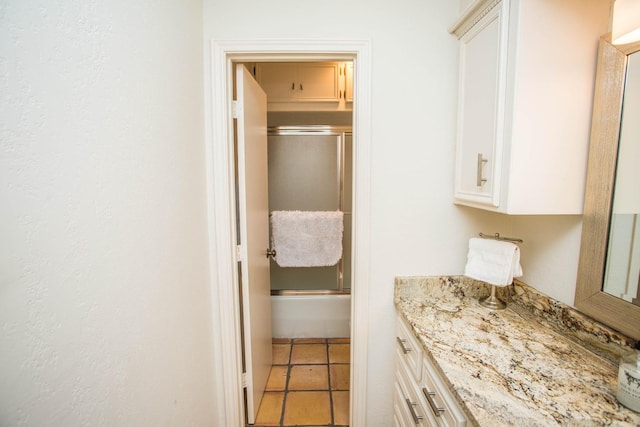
(322, 130)
(219, 133)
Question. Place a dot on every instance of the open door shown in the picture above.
(253, 207)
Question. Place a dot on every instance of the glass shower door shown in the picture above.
(307, 173)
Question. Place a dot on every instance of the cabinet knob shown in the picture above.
(293, 86)
(301, 88)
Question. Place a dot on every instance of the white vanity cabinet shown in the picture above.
(420, 396)
(526, 77)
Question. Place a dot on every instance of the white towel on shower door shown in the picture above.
(307, 238)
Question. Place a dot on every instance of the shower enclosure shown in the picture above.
(310, 170)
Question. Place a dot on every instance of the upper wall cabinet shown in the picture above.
(302, 86)
(348, 81)
(527, 70)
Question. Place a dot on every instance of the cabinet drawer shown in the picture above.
(408, 349)
(401, 415)
(439, 399)
(410, 408)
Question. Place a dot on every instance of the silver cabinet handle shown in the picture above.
(416, 417)
(429, 395)
(401, 341)
(479, 179)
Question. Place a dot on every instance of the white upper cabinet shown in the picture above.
(303, 85)
(527, 70)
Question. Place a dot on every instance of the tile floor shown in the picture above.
(308, 384)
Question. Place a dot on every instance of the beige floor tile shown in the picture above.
(270, 410)
(309, 340)
(339, 377)
(281, 354)
(309, 354)
(307, 408)
(339, 340)
(309, 377)
(340, 408)
(277, 378)
(339, 353)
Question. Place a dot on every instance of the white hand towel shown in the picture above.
(307, 239)
(493, 261)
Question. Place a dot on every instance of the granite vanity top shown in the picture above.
(536, 363)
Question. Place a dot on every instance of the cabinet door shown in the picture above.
(408, 404)
(279, 81)
(439, 399)
(481, 110)
(348, 81)
(408, 349)
(401, 414)
(317, 82)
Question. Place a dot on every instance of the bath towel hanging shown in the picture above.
(307, 238)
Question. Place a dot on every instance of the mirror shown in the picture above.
(590, 297)
(622, 271)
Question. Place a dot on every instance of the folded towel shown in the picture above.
(493, 261)
(306, 239)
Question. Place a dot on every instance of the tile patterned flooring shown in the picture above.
(308, 384)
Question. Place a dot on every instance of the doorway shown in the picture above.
(310, 185)
(223, 220)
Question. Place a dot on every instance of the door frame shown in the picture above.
(219, 134)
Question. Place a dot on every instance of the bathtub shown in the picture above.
(311, 316)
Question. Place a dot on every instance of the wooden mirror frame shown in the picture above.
(605, 130)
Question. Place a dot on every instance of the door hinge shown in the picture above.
(239, 256)
(244, 380)
(234, 109)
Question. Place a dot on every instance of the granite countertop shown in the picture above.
(536, 363)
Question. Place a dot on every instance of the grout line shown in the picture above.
(329, 385)
(286, 385)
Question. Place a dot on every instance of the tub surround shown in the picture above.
(310, 316)
(537, 363)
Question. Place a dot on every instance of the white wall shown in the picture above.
(550, 252)
(415, 228)
(104, 299)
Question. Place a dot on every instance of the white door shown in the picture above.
(253, 206)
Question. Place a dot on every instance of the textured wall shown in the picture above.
(104, 313)
(415, 228)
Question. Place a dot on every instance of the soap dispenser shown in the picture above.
(629, 379)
